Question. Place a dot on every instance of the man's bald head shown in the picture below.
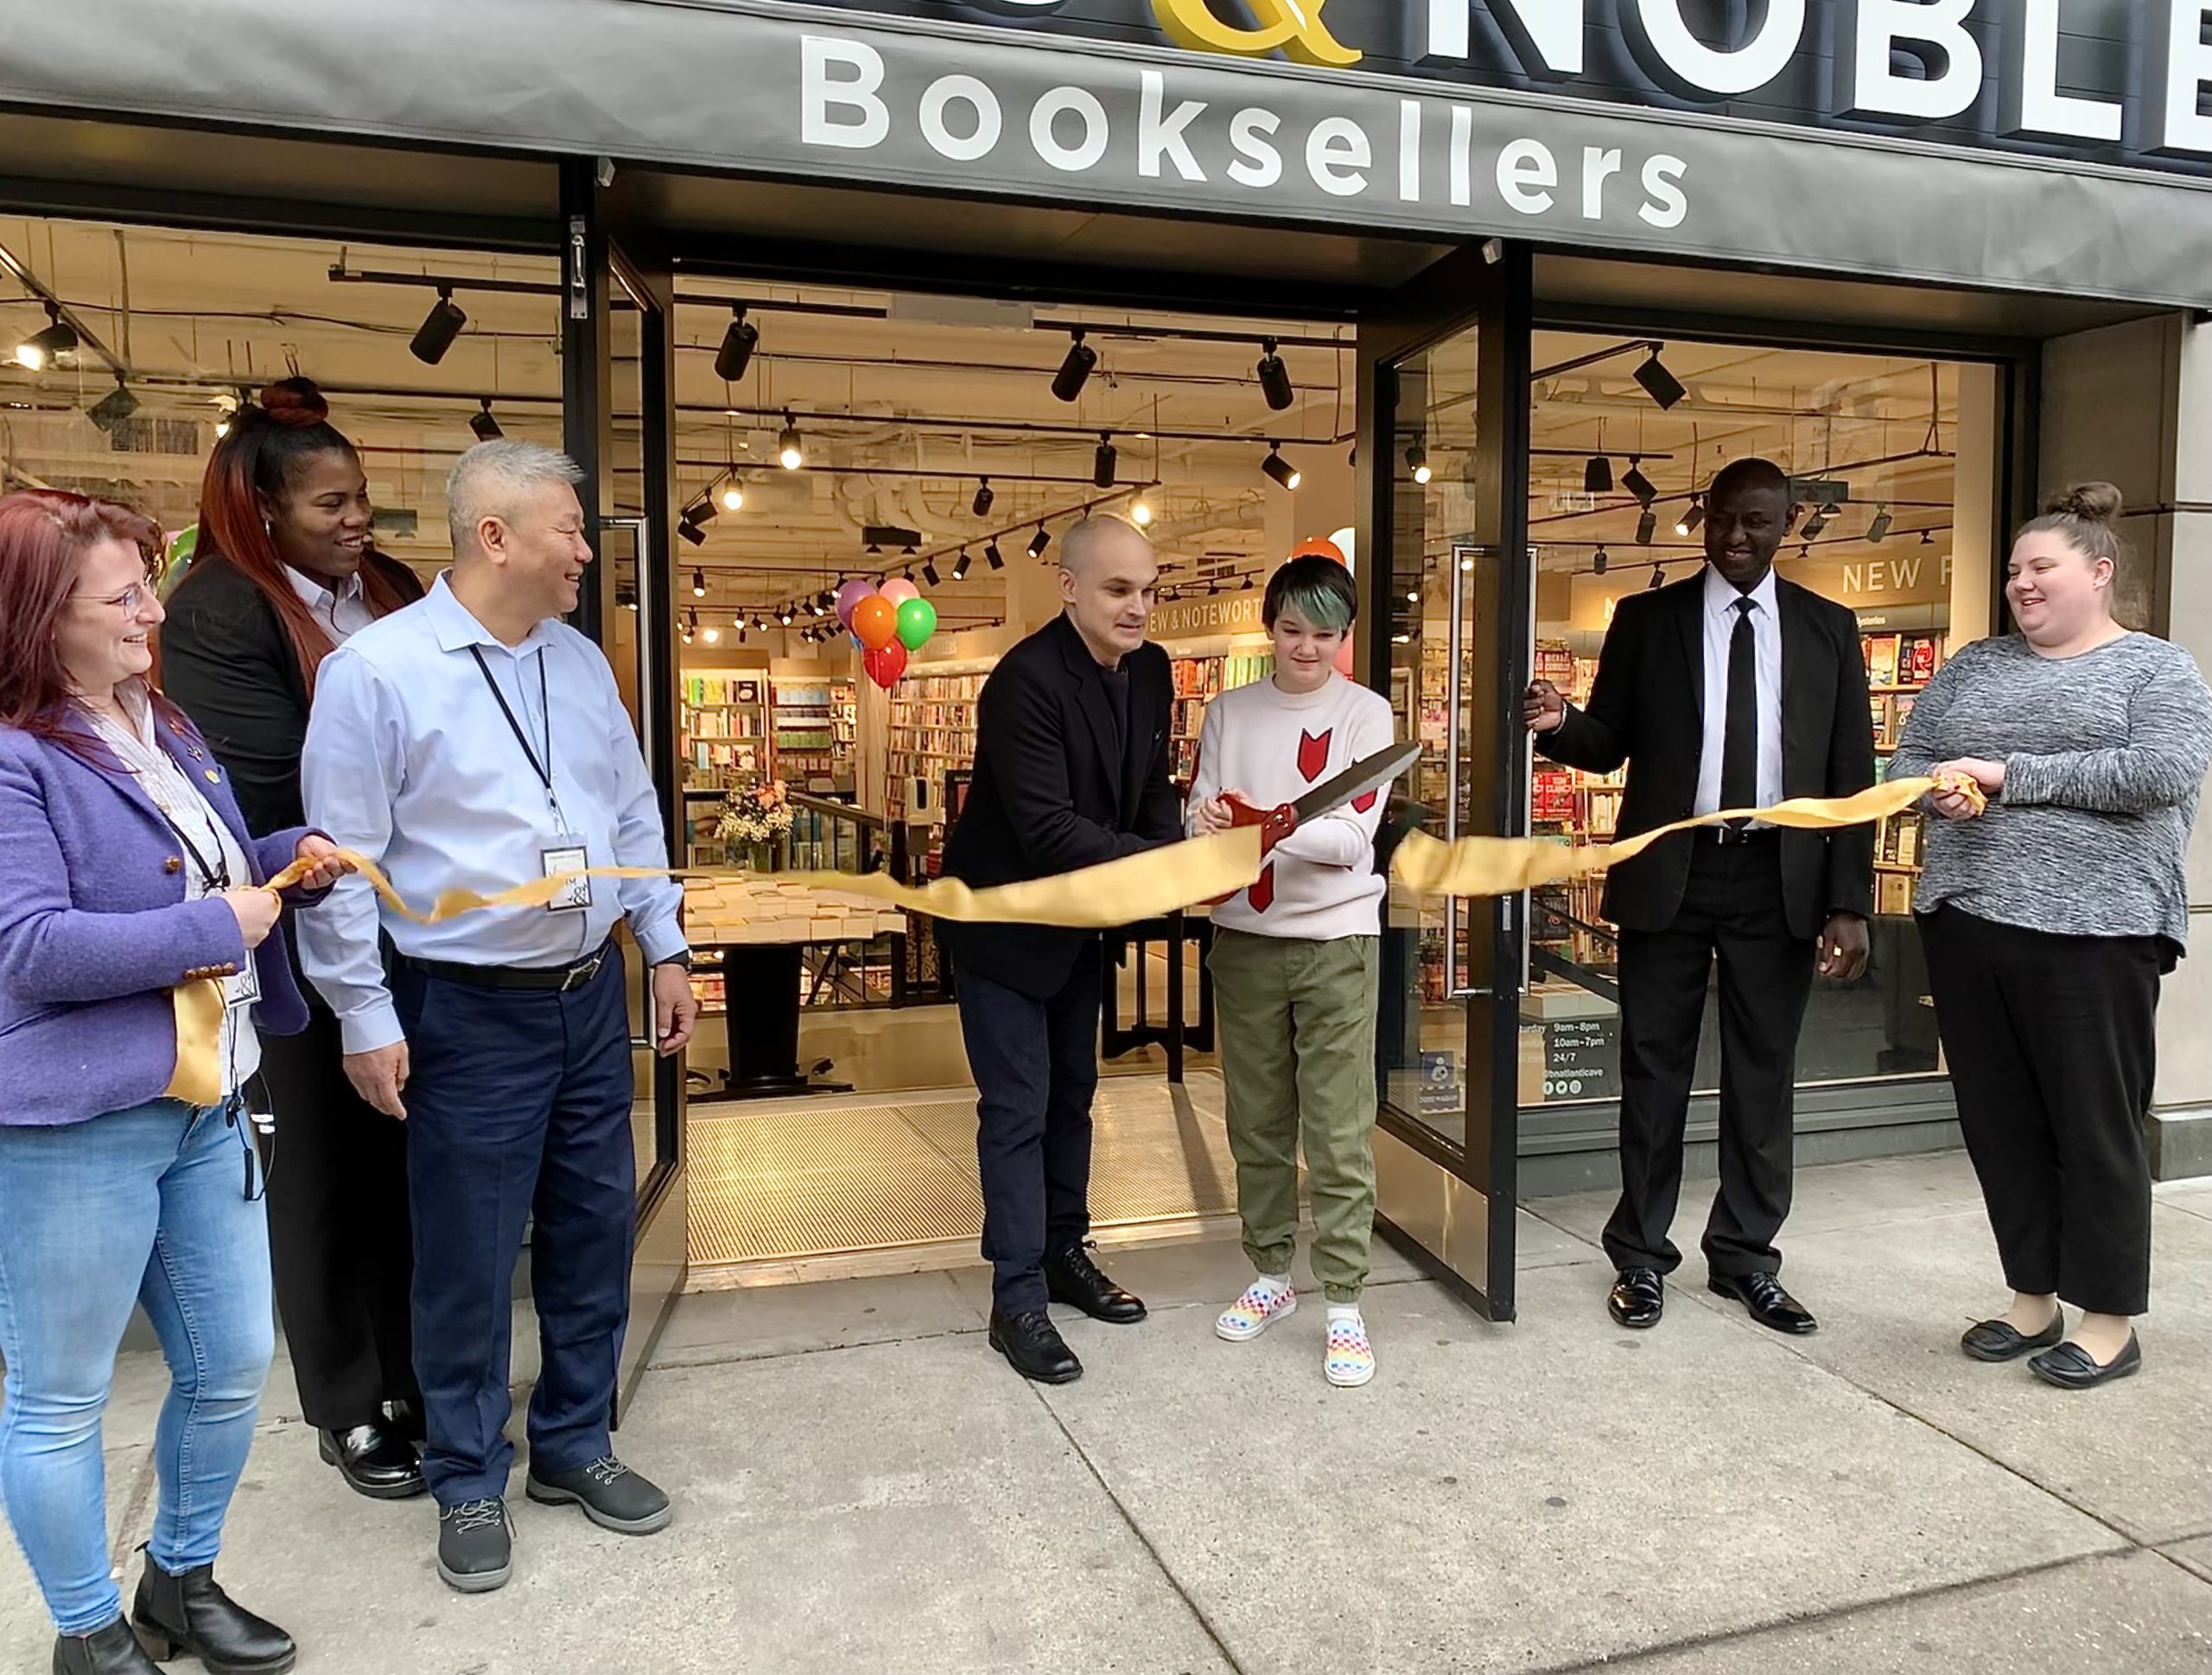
(1108, 575)
(1099, 533)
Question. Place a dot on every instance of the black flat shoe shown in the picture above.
(2071, 1368)
(1033, 1347)
(1639, 1298)
(375, 1461)
(1071, 1277)
(113, 1650)
(192, 1613)
(2001, 1340)
(1762, 1296)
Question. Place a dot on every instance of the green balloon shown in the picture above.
(917, 622)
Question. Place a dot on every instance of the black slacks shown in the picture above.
(1731, 909)
(2053, 1043)
(1035, 1064)
(339, 1234)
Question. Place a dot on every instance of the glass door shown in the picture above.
(1448, 590)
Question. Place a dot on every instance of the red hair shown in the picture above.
(265, 447)
(44, 535)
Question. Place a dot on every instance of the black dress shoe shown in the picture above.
(613, 1496)
(2001, 1340)
(375, 1461)
(1769, 1305)
(1071, 1277)
(191, 1613)
(406, 1420)
(476, 1545)
(2072, 1367)
(113, 1650)
(1639, 1298)
(1033, 1347)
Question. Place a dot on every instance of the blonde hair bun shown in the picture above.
(2095, 503)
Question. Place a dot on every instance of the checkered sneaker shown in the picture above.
(1261, 1306)
(1350, 1358)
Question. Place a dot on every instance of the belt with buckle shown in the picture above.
(554, 978)
(1732, 836)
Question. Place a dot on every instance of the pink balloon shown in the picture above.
(899, 590)
(849, 594)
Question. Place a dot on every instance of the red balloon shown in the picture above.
(1317, 546)
(876, 620)
(884, 664)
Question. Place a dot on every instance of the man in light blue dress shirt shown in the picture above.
(474, 740)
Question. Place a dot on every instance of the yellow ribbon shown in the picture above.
(1113, 892)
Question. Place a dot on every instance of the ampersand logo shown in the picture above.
(1293, 26)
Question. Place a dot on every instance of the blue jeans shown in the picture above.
(146, 1205)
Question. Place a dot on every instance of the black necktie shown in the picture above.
(1739, 742)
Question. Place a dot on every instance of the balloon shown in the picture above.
(917, 622)
(899, 590)
(849, 594)
(859, 644)
(1317, 546)
(875, 620)
(884, 664)
(1343, 657)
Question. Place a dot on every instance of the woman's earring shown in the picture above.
(269, 529)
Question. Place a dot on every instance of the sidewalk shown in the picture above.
(863, 1487)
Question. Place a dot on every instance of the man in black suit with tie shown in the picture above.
(1071, 769)
(1732, 690)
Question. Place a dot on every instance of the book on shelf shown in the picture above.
(1881, 651)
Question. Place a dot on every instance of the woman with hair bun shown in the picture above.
(285, 570)
(2048, 922)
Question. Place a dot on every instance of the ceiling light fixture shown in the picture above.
(1275, 377)
(1821, 520)
(1417, 461)
(1103, 461)
(1279, 467)
(1598, 476)
(784, 615)
(1599, 560)
(47, 345)
(960, 565)
(1694, 517)
(992, 556)
(929, 571)
(691, 531)
(1879, 529)
(788, 448)
(1637, 484)
(734, 493)
(1074, 369)
(1646, 528)
(1039, 542)
(980, 506)
(698, 584)
(739, 342)
(1661, 386)
(109, 412)
(1141, 512)
(481, 422)
(1658, 578)
(712, 635)
(439, 328)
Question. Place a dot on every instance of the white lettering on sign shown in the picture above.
(1158, 136)
(2181, 68)
(983, 118)
(2032, 103)
(1261, 164)
(1526, 172)
(1409, 151)
(1662, 183)
(1674, 57)
(1597, 168)
(1044, 130)
(1546, 36)
(1872, 34)
(819, 91)
(1336, 151)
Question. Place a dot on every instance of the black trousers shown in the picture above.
(2053, 1044)
(338, 1235)
(1035, 1064)
(1732, 908)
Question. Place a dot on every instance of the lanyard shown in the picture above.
(214, 879)
(542, 769)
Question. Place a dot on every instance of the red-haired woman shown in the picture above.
(283, 571)
(126, 870)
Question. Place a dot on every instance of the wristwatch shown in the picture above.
(682, 960)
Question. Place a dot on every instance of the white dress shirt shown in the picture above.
(409, 761)
(1720, 597)
(343, 610)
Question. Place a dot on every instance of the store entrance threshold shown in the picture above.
(785, 1191)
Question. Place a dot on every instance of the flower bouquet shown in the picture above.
(755, 817)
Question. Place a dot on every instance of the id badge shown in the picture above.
(244, 989)
(566, 855)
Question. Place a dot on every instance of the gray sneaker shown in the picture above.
(475, 1546)
(613, 1496)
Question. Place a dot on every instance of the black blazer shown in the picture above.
(1647, 708)
(1051, 792)
(228, 664)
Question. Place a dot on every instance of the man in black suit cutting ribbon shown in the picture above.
(1732, 690)
(1070, 770)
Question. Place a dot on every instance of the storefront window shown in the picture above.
(1895, 464)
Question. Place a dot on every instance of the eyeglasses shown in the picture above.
(128, 602)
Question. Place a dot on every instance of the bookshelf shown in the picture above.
(1199, 678)
(933, 731)
(1899, 666)
(816, 723)
(723, 738)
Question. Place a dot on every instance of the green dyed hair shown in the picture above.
(1318, 588)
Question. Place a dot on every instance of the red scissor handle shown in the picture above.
(1275, 824)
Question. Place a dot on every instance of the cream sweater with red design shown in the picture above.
(1271, 746)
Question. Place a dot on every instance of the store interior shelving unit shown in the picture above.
(1200, 677)
(816, 723)
(725, 745)
(1898, 668)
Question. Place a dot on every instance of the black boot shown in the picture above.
(113, 1650)
(191, 1613)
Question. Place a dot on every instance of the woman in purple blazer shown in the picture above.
(124, 870)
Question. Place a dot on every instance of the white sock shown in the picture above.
(1276, 1283)
(1344, 1311)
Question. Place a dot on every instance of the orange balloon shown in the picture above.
(876, 620)
(1317, 546)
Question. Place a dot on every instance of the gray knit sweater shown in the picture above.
(2104, 756)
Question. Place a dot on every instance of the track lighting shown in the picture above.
(481, 422)
(1103, 461)
(1417, 461)
(960, 566)
(1039, 542)
(738, 345)
(691, 531)
(980, 506)
(1599, 561)
(734, 493)
(1598, 476)
(784, 614)
(1074, 369)
(1658, 579)
(713, 636)
(1694, 517)
(1275, 377)
(929, 571)
(1819, 520)
(439, 328)
(740, 631)
(992, 556)
(1927, 538)
(1141, 512)
(109, 412)
(1646, 528)
(698, 584)
(1246, 588)
(1880, 527)
(1661, 386)
(1637, 484)
(788, 448)
(47, 345)
(1279, 467)
(690, 622)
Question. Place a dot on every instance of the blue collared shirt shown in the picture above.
(409, 761)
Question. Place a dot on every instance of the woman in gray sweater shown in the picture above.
(2048, 922)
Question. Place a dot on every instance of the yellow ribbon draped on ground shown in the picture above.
(1113, 892)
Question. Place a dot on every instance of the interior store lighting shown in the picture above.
(929, 571)
(711, 635)
(1598, 476)
(481, 422)
(992, 556)
(980, 506)
(1816, 525)
(1074, 369)
(1658, 579)
(698, 584)
(1038, 543)
(48, 344)
(109, 412)
(1275, 377)
(1141, 512)
(1637, 484)
(784, 615)
(1417, 461)
(1661, 386)
(439, 328)
(1599, 560)
(960, 566)
(739, 342)
(1646, 528)
(788, 448)
(1693, 517)
(1279, 467)
(733, 493)
(1879, 528)
(1103, 461)
(691, 531)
